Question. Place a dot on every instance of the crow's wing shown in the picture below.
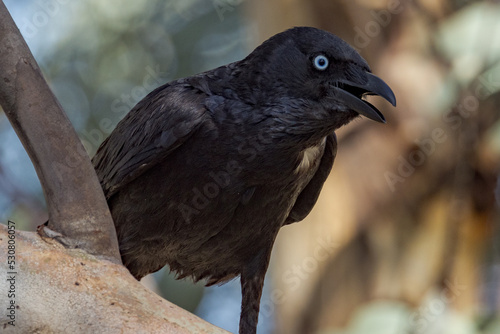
(154, 128)
(309, 195)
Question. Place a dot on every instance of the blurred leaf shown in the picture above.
(380, 317)
(388, 317)
(470, 39)
(492, 328)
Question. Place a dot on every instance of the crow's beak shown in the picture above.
(351, 94)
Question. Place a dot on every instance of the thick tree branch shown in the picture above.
(76, 205)
(84, 295)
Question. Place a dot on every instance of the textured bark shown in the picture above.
(59, 290)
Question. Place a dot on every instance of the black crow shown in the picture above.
(203, 172)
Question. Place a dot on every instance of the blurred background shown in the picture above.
(405, 237)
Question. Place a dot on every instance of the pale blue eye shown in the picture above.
(320, 62)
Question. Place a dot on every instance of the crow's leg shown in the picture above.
(252, 282)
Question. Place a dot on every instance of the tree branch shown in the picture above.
(83, 296)
(78, 212)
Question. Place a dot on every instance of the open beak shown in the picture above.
(351, 94)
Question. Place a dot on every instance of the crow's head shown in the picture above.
(309, 63)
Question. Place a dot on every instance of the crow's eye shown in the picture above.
(320, 62)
